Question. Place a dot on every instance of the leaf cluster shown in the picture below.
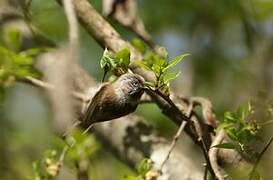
(241, 129)
(80, 147)
(16, 64)
(116, 63)
(48, 167)
(159, 65)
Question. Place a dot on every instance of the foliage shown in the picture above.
(48, 167)
(139, 45)
(119, 63)
(12, 39)
(143, 168)
(242, 128)
(116, 63)
(75, 148)
(159, 65)
(16, 64)
(82, 146)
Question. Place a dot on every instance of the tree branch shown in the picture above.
(108, 37)
(213, 154)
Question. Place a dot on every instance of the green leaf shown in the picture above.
(149, 59)
(123, 57)
(22, 60)
(244, 136)
(13, 38)
(22, 72)
(158, 60)
(230, 117)
(70, 141)
(170, 76)
(225, 146)
(156, 69)
(139, 45)
(144, 166)
(107, 61)
(36, 167)
(231, 132)
(82, 146)
(142, 64)
(34, 51)
(244, 111)
(174, 61)
(224, 125)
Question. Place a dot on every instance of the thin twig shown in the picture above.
(210, 120)
(207, 110)
(175, 138)
(213, 152)
(71, 128)
(205, 171)
(48, 86)
(260, 156)
(72, 23)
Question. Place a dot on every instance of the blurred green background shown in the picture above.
(230, 42)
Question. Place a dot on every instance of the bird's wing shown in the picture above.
(93, 106)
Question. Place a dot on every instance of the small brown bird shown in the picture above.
(116, 99)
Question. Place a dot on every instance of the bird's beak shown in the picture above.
(146, 88)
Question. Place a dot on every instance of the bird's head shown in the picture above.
(131, 84)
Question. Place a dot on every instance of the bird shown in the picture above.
(115, 99)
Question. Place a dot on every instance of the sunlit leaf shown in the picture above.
(139, 45)
(225, 146)
(231, 132)
(170, 76)
(244, 111)
(230, 117)
(107, 60)
(70, 141)
(23, 60)
(13, 38)
(174, 61)
(159, 61)
(142, 64)
(34, 51)
(144, 166)
(224, 125)
(149, 59)
(156, 69)
(123, 56)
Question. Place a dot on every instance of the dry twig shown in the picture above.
(213, 154)
(175, 139)
(47, 86)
